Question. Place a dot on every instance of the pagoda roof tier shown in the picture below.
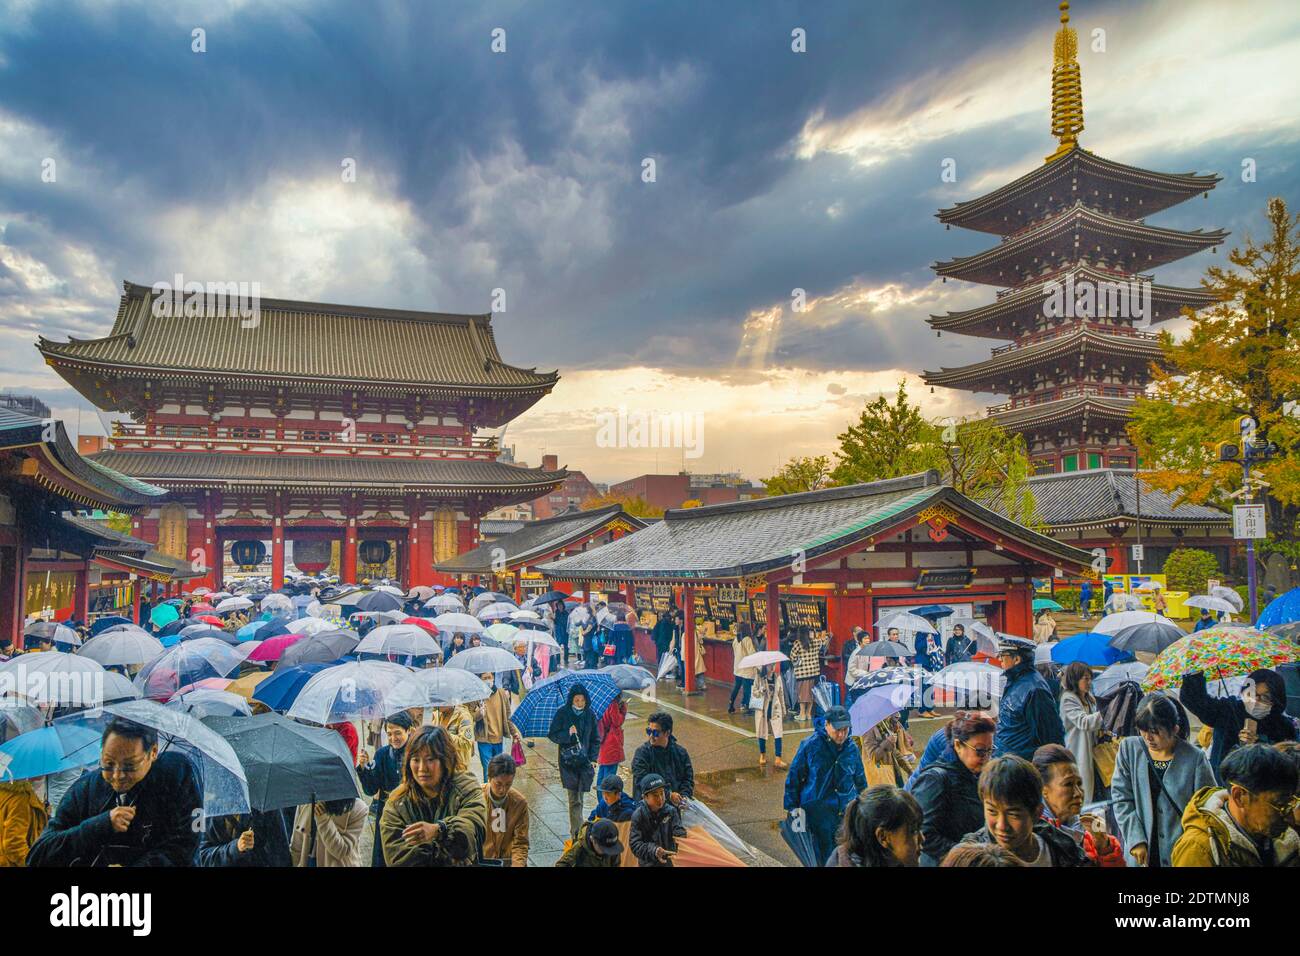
(448, 478)
(1077, 408)
(1126, 192)
(1078, 235)
(1086, 337)
(298, 346)
(1021, 310)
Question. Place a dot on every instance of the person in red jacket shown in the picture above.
(610, 730)
(1062, 801)
(349, 735)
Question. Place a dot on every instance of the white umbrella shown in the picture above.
(121, 648)
(437, 687)
(187, 662)
(1114, 623)
(485, 660)
(309, 626)
(1230, 595)
(762, 659)
(347, 692)
(132, 629)
(1210, 603)
(53, 677)
(458, 624)
(233, 604)
(279, 604)
(119, 687)
(389, 589)
(986, 639)
(975, 684)
(446, 602)
(206, 702)
(523, 614)
(496, 611)
(906, 621)
(531, 636)
(399, 639)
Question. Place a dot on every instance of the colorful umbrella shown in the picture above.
(1219, 652)
(210, 619)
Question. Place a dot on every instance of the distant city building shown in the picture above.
(670, 491)
(27, 404)
(570, 495)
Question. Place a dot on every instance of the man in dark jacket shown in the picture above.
(1028, 715)
(596, 844)
(1263, 701)
(137, 809)
(613, 804)
(661, 754)
(824, 777)
(959, 648)
(1012, 791)
(655, 825)
(573, 729)
(379, 777)
(246, 839)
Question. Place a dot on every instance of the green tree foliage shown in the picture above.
(1188, 569)
(1241, 357)
(800, 474)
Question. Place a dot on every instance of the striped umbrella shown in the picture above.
(1219, 652)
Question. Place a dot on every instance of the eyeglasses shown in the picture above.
(1284, 808)
(977, 751)
(650, 732)
(126, 770)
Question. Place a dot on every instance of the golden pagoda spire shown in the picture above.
(1067, 87)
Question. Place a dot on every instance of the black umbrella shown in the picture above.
(888, 675)
(550, 597)
(1152, 637)
(288, 763)
(175, 627)
(884, 649)
(379, 601)
(319, 648)
(193, 633)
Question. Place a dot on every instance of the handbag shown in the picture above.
(573, 758)
(1103, 758)
(517, 752)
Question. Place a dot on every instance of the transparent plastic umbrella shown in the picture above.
(524, 614)
(348, 692)
(53, 631)
(455, 623)
(280, 604)
(974, 685)
(121, 648)
(762, 659)
(445, 602)
(210, 703)
(1121, 601)
(496, 611)
(404, 640)
(225, 786)
(1114, 623)
(696, 814)
(18, 718)
(502, 634)
(234, 604)
(906, 622)
(480, 601)
(1230, 595)
(485, 660)
(629, 676)
(437, 687)
(119, 687)
(125, 629)
(186, 663)
(1128, 672)
(309, 626)
(1210, 603)
(53, 678)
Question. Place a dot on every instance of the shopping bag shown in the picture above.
(517, 752)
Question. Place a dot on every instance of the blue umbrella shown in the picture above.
(272, 628)
(1091, 648)
(104, 623)
(41, 752)
(533, 716)
(935, 611)
(1283, 609)
(280, 690)
(249, 631)
(877, 704)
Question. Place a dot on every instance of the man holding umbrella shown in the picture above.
(136, 809)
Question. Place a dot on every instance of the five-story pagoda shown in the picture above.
(1074, 293)
(328, 426)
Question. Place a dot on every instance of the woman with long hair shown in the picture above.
(882, 827)
(1082, 722)
(805, 655)
(437, 816)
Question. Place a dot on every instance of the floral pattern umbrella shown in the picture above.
(1219, 652)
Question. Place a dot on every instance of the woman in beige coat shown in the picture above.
(887, 753)
(339, 824)
(768, 700)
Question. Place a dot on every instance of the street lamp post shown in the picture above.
(1248, 452)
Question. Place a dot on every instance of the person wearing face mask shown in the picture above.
(1262, 702)
(1156, 774)
(573, 730)
(492, 723)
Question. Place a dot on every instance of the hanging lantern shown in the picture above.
(374, 552)
(248, 554)
(311, 556)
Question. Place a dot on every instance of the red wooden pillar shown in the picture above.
(688, 636)
(277, 553)
(81, 593)
(518, 577)
(773, 621)
(135, 599)
(349, 555)
(12, 596)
